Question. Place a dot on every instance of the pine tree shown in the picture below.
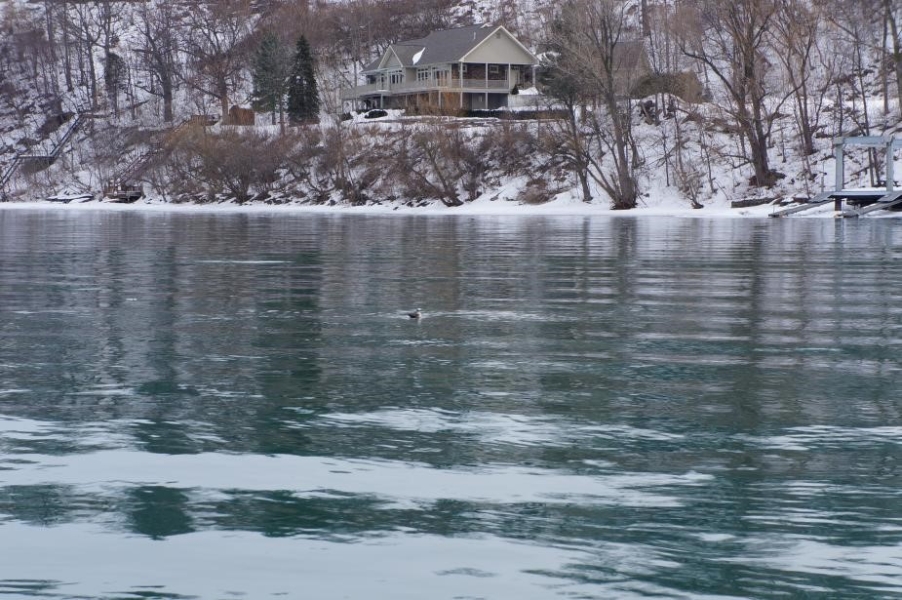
(270, 77)
(303, 95)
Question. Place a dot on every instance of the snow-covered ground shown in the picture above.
(564, 205)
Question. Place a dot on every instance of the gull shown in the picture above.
(415, 314)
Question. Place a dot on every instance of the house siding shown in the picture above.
(482, 78)
(392, 62)
(499, 48)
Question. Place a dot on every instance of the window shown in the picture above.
(494, 69)
(396, 77)
(422, 75)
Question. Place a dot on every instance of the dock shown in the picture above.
(855, 203)
(126, 186)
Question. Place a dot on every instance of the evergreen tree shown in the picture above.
(303, 95)
(270, 77)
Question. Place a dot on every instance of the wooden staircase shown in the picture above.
(124, 187)
(43, 160)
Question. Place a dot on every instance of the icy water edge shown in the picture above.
(224, 406)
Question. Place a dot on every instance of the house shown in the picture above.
(467, 68)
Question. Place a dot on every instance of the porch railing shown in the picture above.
(446, 84)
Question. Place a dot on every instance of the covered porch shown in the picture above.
(467, 86)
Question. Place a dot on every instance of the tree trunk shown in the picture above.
(224, 99)
(897, 52)
(579, 162)
(166, 84)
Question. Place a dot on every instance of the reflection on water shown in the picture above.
(206, 406)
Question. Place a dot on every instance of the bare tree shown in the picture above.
(855, 32)
(433, 162)
(565, 139)
(213, 41)
(28, 49)
(731, 40)
(83, 28)
(595, 59)
(893, 19)
(237, 163)
(159, 51)
(796, 34)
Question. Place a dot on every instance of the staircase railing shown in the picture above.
(49, 159)
(128, 174)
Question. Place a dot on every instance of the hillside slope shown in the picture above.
(108, 62)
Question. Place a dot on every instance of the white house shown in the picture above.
(470, 68)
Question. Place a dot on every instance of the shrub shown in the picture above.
(232, 162)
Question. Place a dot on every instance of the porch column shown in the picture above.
(460, 82)
(486, 105)
(507, 99)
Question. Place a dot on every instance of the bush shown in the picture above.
(238, 164)
(537, 192)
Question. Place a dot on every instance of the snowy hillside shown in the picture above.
(100, 94)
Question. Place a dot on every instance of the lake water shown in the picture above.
(221, 406)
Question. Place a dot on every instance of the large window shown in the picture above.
(396, 77)
(423, 75)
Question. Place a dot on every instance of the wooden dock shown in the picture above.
(126, 186)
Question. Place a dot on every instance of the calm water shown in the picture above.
(220, 406)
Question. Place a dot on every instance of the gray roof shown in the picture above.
(444, 46)
(406, 51)
(373, 65)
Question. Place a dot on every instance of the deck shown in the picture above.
(858, 202)
(449, 85)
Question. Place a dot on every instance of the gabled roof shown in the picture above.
(443, 46)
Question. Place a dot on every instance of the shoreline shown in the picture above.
(479, 207)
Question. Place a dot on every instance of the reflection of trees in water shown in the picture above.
(30, 588)
(289, 343)
(42, 505)
(592, 346)
(157, 512)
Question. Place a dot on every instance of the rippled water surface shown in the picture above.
(221, 406)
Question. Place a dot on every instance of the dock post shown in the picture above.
(839, 153)
(890, 168)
